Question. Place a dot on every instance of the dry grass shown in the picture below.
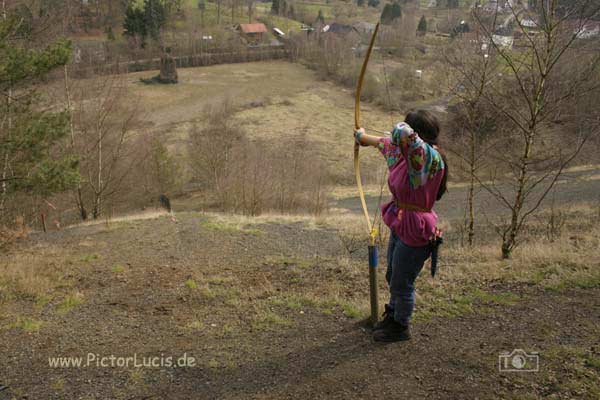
(145, 215)
(276, 291)
(34, 274)
(9, 236)
(291, 101)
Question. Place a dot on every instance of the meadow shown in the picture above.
(261, 301)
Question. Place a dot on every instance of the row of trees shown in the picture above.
(518, 116)
(29, 133)
(281, 7)
(370, 3)
(145, 22)
(264, 176)
(524, 114)
(83, 148)
(391, 12)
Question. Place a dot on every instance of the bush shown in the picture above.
(9, 236)
(252, 177)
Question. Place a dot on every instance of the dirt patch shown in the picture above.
(270, 310)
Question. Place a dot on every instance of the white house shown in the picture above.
(589, 30)
(503, 41)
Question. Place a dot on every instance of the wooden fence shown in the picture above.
(83, 70)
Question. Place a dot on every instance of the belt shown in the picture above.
(410, 207)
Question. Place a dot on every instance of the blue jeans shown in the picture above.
(404, 265)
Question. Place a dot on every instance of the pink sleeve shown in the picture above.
(390, 151)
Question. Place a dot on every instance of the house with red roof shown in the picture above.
(252, 33)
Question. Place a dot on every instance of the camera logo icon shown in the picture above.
(519, 360)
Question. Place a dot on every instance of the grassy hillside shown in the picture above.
(270, 307)
(275, 100)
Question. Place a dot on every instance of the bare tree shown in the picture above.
(78, 190)
(219, 11)
(251, 176)
(471, 118)
(250, 4)
(104, 128)
(537, 83)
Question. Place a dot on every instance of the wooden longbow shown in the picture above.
(373, 253)
(361, 193)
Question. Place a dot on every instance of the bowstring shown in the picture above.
(384, 176)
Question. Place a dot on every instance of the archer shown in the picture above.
(418, 173)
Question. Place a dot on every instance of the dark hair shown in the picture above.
(427, 127)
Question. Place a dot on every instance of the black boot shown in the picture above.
(388, 316)
(392, 332)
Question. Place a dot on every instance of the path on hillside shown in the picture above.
(578, 186)
(294, 350)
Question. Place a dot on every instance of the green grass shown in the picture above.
(27, 324)
(292, 301)
(289, 261)
(585, 280)
(41, 300)
(89, 257)
(593, 361)
(227, 227)
(118, 269)
(582, 371)
(454, 301)
(326, 305)
(351, 310)
(191, 284)
(196, 325)
(70, 301)
(207, 293)
(269, 321)
(58, 384)
(502, 298)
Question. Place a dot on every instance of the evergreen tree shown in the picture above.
(320, 17)
(373, 3)
(360, 3)
(396, 11)
(202, 8)
(133, 25)
(145, 22)
(422, 27)
(110, 35)
(275, 7)
(24, 15)
(29, 137)
(155, 17)
(386, 14)
(390, 13)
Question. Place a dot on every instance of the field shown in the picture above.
(276, 101)
(273, 307)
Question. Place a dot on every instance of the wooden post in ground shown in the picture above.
(373, 290)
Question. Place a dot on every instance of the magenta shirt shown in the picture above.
(416, 172)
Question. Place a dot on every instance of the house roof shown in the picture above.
(338, 28)
(365, 26)
(253, 28)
